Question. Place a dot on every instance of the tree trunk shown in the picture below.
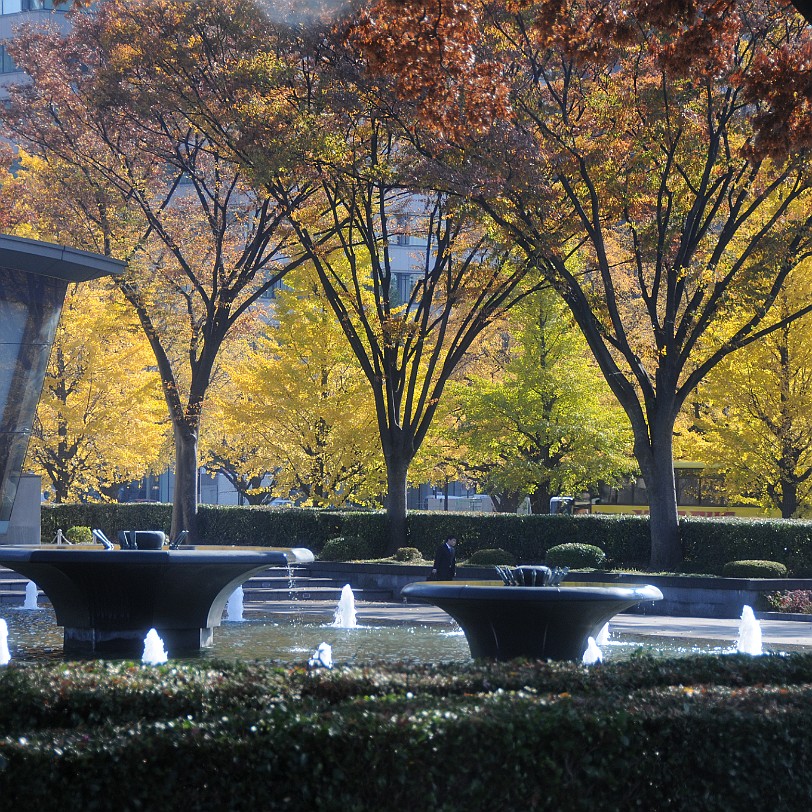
(656, 459)
(185, 497)
(789, 499)
(540, 500)
(506, 501)
(396, 471)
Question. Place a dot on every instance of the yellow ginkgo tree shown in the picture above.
(296, 418)
(101, 420)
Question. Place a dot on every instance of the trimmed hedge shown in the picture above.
(496, 557)
(408, 554)
(345, 548)
(754, 569)
(709, 733)
(79, 535)
(708, 544)
(576, 556)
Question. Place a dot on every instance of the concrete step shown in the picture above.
(280, 582)
(12, 588)
(306, 592)
(269, 586)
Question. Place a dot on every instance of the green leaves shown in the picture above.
(520, 735)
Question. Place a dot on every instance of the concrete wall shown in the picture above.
(24, 525)
(683, 596)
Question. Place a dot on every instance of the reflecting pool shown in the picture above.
(34, 635)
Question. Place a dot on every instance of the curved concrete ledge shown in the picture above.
(502, 622)
(107, 600)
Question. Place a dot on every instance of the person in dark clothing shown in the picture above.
(445, 561)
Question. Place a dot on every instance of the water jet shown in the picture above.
(749, 637)
(235, 605)
(345, 611)
(30, 596)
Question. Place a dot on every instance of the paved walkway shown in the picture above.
(777, 633)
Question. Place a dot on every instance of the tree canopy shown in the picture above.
(202, 244)
(533, 416)
(651, 167)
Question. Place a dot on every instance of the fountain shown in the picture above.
(593, 654)
(235, 605)
(603, 635)
(526, 614)
(322, 657)
(107, 600)
(749, 639)
(154, 651)
(345, 611)
(30, 596)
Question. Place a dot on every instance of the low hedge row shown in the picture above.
(710, 733)
(624, 538)
(708, 544)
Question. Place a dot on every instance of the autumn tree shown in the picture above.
(407, 345)
(100, 421)
(753, 416)
(301, 407)
(207, 246)
(652, 164)
(535, 416)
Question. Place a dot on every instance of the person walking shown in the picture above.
(445, 561)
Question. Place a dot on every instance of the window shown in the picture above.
(16, 6)
(6, 62)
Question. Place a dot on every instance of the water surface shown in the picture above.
(34, 635)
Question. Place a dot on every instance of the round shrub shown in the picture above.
(79, 535)
(495, 556)
(345, 548)
(575, 556)
(408, 554)
(754, 569)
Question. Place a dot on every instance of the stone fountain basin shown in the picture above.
(548, 622)
(107, 600)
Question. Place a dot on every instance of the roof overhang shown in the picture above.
(59, 261)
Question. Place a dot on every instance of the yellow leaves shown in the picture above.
(101, 418)
(124, 56)
(298, 404)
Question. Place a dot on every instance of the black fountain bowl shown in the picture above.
(107, 600)
(550, 622)
(149, 539)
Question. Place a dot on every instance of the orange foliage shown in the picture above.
(429, 50)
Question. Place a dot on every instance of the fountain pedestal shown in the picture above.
(548, 622)
(107, 600)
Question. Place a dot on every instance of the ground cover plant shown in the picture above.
(797, 601)
(707, 733)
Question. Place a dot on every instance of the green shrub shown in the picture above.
(345, 548)
(575, 556)
(707, 733)
(79, 535)
(707, 543)
(753, 568)
(408, 554)
(495, 556)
